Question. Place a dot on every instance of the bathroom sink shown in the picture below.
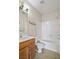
(25, 37)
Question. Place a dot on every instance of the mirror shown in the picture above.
(23, 23)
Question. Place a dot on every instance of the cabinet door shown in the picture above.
(32, 53)
(23, 54)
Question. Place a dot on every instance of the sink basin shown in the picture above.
(25, 36)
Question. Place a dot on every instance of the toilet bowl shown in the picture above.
(40, 46)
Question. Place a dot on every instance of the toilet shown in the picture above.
(40, 46)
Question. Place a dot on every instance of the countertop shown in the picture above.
(25, 39)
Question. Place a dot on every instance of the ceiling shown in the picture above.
(47, 7)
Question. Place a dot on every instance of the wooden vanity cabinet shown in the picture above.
(27, 49)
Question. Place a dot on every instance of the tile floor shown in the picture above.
(47, 55)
